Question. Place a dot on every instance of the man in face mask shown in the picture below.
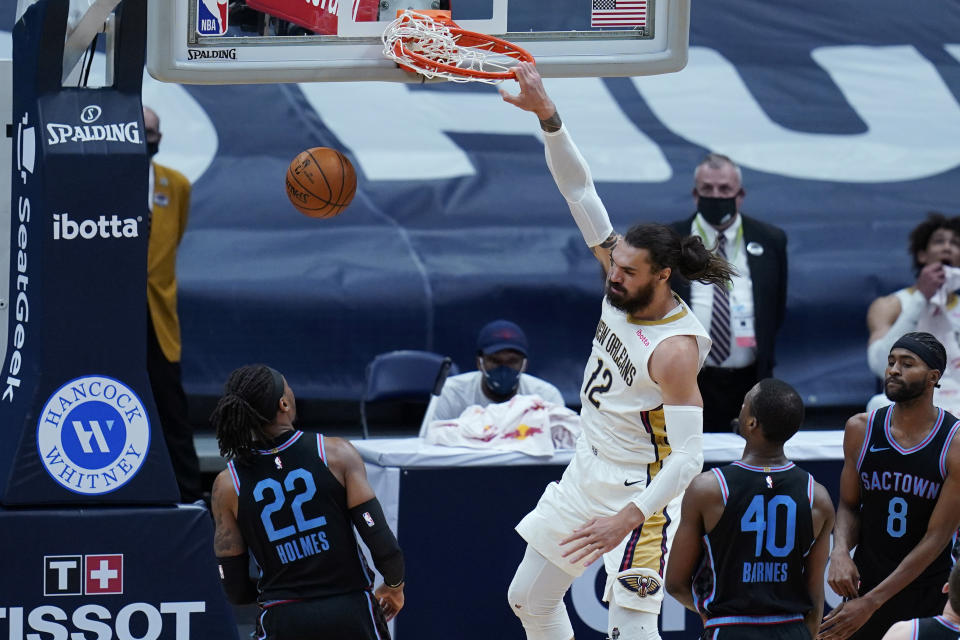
(742, 319)
(168, 205)
(501, 362)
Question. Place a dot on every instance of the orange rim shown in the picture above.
(490, 43)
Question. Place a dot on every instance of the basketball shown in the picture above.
(321, 182)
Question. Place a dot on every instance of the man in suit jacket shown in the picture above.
(169, 204)
(743, 320)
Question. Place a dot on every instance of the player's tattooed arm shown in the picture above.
(552, 124)
(604, 250)
(227, 538)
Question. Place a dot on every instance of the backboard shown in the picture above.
(268, 41)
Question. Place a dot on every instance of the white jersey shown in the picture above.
(622, 412)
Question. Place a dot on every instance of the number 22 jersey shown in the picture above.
(293, 514)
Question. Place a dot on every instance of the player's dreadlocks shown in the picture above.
(249, 403)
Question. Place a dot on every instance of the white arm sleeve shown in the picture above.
(572, 175)
(685, 432)
(879, 350)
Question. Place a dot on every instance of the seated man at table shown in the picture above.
(501, 362)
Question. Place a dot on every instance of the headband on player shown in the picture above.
(930, 356)
(277, 391)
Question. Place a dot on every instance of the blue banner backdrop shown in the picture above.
(844, 118)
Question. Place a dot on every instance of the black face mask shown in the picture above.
(152, 148)
(717, 211)
(503, 380)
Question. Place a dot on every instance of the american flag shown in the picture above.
(618, 13)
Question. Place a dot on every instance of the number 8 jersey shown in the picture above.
(899, 488)
(622, 412)
(293, 514)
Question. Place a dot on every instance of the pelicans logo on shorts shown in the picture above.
(93, 435)
(643, 586)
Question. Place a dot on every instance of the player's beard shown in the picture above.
(627, 303)
(905, 390)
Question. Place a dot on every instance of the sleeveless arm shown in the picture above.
(816, 561)
(843, 576)
(886, 328)
(686, 550)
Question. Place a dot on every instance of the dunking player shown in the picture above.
(942, 627)
(619, 496)
(760, 530)
(291, 497)
(899, 500)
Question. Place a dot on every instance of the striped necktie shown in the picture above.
(720, 316)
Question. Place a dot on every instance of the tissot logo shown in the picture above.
(62, 575)
(91, 113)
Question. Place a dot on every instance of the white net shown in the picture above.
(420, 34)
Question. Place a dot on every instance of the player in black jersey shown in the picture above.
(942, 627)
(293, 498)
(754, 535)
(899, 501)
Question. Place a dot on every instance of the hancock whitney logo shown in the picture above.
(93, 435)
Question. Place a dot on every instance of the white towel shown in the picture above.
(527, 424)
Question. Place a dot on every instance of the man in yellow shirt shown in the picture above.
(169, 193)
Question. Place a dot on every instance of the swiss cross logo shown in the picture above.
(62, 575)
(103, 574)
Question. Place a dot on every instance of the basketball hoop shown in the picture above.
(431, 44)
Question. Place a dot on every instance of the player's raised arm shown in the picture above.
(568, 167)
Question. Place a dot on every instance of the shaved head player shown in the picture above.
(642, 413)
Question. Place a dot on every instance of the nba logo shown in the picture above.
(211, 17)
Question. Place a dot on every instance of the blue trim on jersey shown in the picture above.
(321, 448)
(916, 447)
(234, 477)
(866, 438)
(757, 620)
(263, 631)
(285, 445)
(946, 446)
(373, 618)
(947, 623)
(750, 467)
(723, 484)
(711, 567)
(810, 489)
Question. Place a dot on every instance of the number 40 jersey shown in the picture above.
(622, 408)
(753, 559)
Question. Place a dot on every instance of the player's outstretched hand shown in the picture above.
(390, 599)
(843, 576)
(595, 538)
(532, 97)
(844, 620)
